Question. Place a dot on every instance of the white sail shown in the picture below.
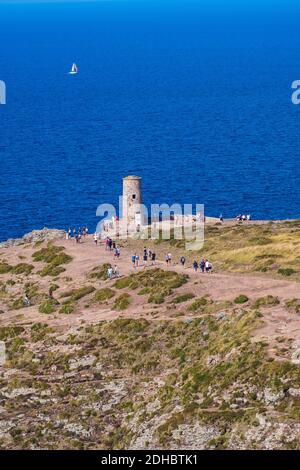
(74, 69)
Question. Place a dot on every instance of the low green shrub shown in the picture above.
(241, 299)
(183, 298)
(5, 268)
(22, 268)
(127, 282)
(156, 282)
(51, 270)
(77, 294)
(48, 306)
(52, 255)
(199, 304)
(144, 291)
(286, 271)
(268, 300)
(55, 257)
(67, 308)
(102, 295)
(122, 302)
(294, 305)
(54, 287)
(156, 298)
(17, 304)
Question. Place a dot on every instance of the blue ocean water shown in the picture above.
(195, 99)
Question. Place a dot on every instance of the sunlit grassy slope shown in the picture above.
(272, 248)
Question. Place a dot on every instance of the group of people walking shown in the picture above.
(204, 265)
(110, 245)
(238, 218)
(243, 217)
(149, 256)
(77, 234)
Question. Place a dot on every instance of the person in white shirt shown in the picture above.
(110, 272)
(208, 267)
(116, 271)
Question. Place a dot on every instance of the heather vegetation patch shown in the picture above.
(122, 302)
(55, 257)
(181, 380)
(103, 295)
(48, 306)
(158, 296)
(77, 294)
(53, 287)
(183, 298)
(286, 271)
(268, 300)
(200, 304)
(52, 254)
(190, 349)
(51, 270)
(152, 278)
(241, 299)
(293, 305)
(156, 282)
(5, 268)
(67, 308)
(144, 291)
(22, 268)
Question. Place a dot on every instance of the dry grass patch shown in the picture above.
(103, 295)
(122, 302)
(77, 294)
(267, 301)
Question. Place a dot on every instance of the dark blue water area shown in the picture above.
(195, 100)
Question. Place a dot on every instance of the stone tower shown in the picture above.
(132, 201)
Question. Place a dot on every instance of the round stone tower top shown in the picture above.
(132, 177)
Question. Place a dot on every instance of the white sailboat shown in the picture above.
(74, 69)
